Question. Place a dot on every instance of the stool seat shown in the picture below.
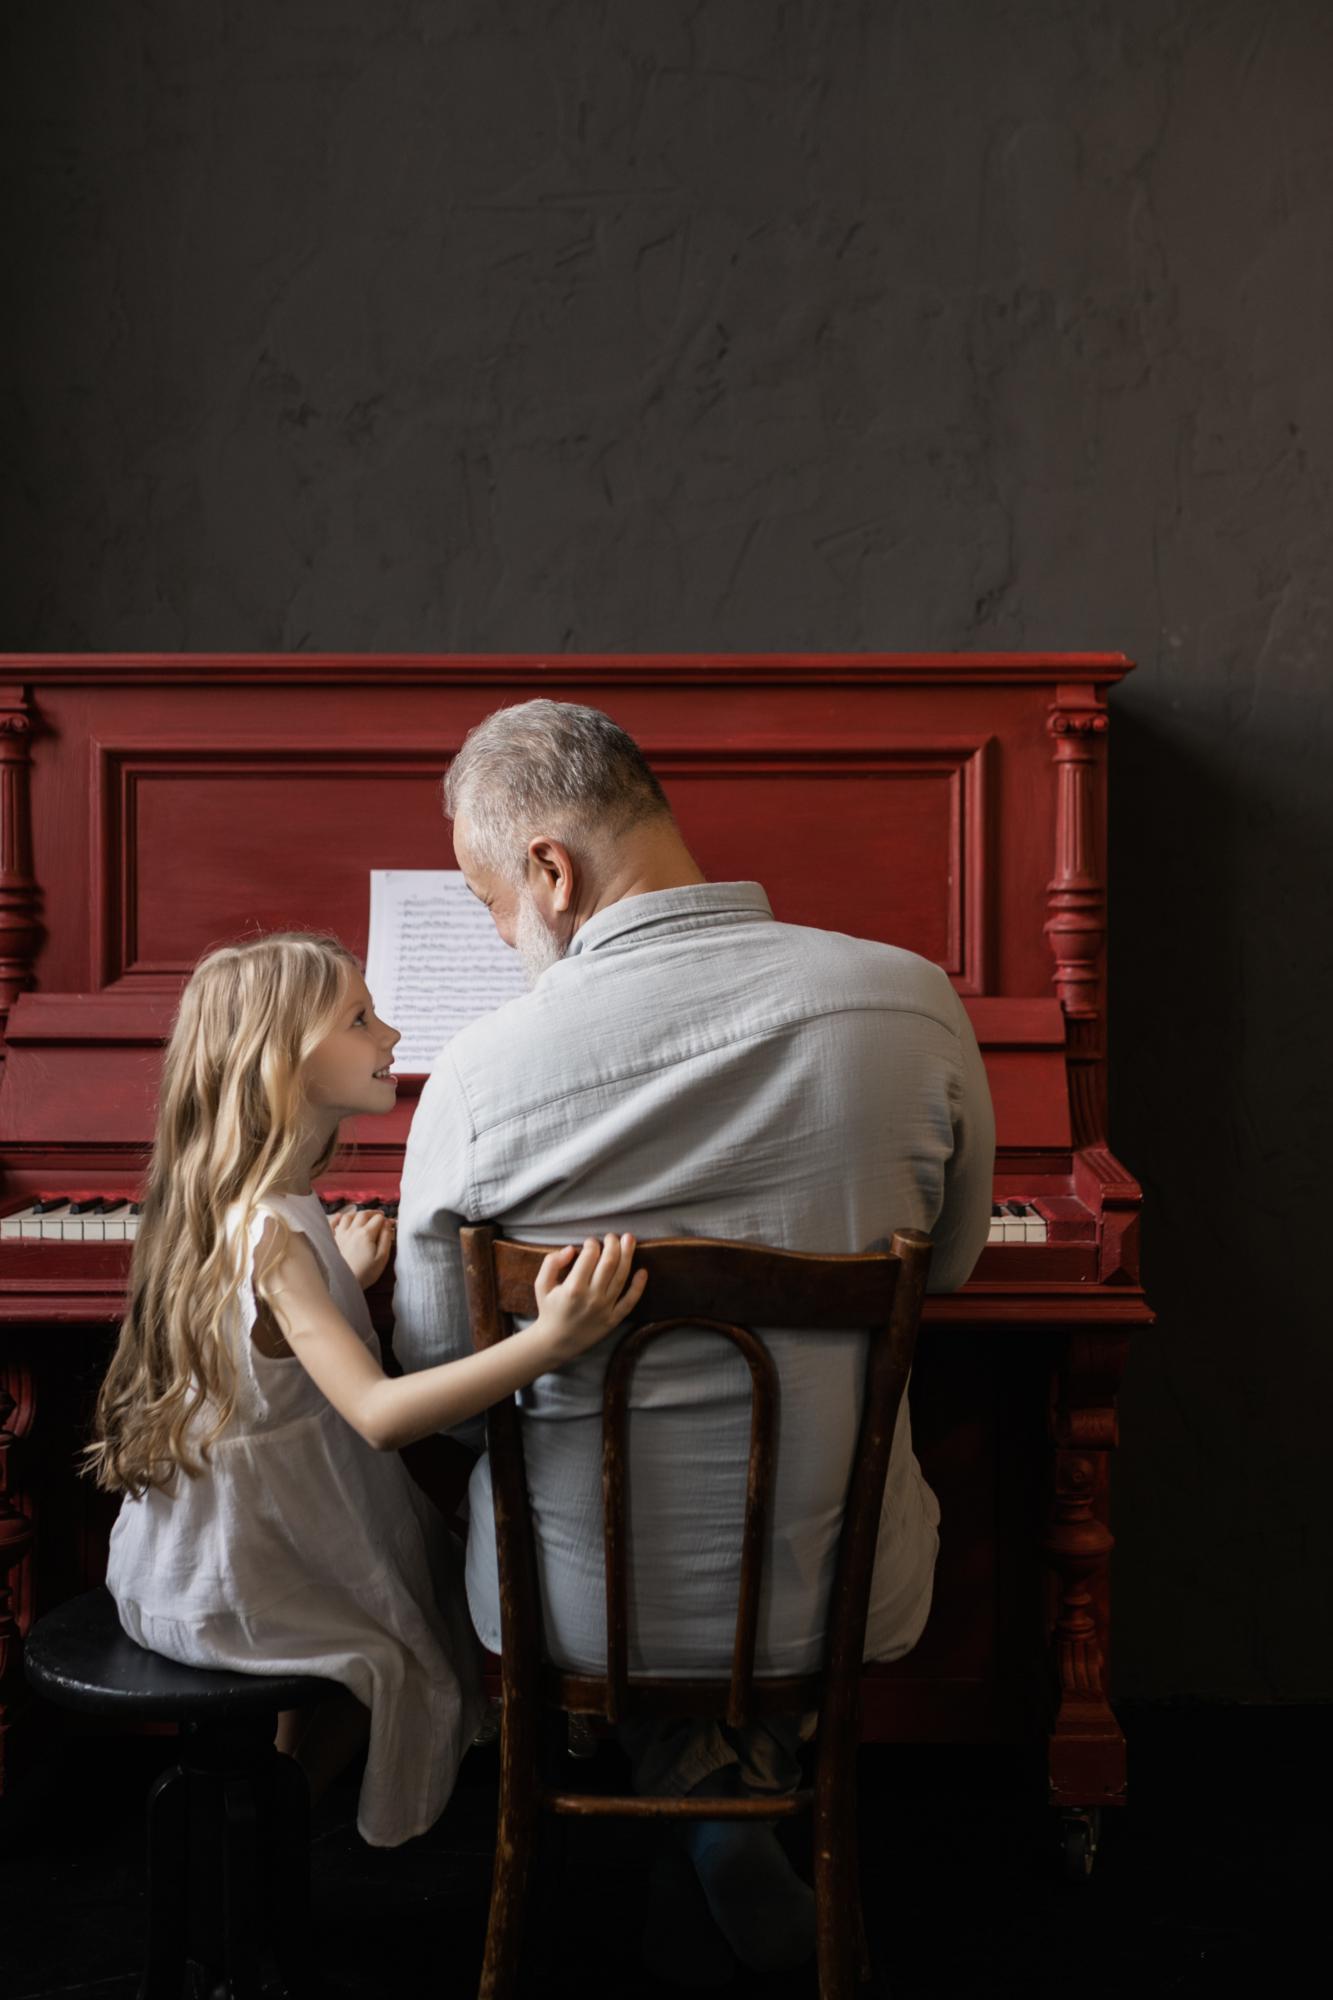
(228, 1823)
(78, 1656)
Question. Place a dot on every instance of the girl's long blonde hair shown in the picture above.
(229, 1131)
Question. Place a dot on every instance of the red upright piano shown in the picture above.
(152, 806)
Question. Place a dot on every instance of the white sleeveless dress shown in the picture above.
(300, 1549)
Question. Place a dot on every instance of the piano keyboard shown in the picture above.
(76, 1218)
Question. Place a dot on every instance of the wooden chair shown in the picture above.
(726, 1288)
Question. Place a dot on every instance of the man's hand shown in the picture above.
(365, 1238)
(579, 1309)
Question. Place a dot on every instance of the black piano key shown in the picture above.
(48, 1204)
(1018, 1208)
(91, 1204)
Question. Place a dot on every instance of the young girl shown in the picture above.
(269, 1524)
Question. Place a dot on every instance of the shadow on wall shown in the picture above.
(1221, 1103)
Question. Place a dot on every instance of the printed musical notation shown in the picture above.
(435, 960)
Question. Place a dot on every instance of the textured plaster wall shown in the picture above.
(747, 325)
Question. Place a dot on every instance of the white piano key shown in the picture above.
(16, 1225)
(1034, 1227)
(71, 1228)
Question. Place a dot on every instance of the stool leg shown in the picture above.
(291, 1872)
(241, 1889)
(247, 1800)
(168, 1886)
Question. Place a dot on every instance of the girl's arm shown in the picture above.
(391, 1412)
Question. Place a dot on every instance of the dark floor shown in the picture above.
(1210, 1883)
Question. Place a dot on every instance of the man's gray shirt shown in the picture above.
(694, 1068)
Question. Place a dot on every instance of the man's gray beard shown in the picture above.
(537, 947)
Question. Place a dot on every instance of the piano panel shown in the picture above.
(977, 1430)
(909, 820)
(203, 845)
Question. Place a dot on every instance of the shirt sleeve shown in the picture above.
(430, 1313)
(964, 1220)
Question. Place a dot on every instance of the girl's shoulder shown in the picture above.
(300, 1213)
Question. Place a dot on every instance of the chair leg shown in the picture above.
(839, 1928)
(515, 1837)
(168, 1886)
(861, 1947)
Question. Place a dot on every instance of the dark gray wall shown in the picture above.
(751, 325)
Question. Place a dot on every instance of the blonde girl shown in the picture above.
(268, 1523)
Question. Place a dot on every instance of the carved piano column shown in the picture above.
(18, 889)
(1076, 899)
(1086, 1748)
(16, 1414)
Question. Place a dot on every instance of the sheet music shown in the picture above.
(435, 960)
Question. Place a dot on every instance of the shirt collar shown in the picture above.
(671, 912)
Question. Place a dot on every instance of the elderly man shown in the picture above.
(686, 1066)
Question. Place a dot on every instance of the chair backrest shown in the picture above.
(728, 1289)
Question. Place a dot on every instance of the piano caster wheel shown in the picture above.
(1080, 1829)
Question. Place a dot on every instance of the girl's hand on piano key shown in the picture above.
(365, 1238)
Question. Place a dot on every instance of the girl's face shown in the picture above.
(348, 1072)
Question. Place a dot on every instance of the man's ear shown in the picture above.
(551, 873)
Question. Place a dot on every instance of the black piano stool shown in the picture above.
(228, 1822)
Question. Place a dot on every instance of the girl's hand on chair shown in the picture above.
(365, 1239)
(583, 1294)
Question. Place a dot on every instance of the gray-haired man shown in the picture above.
(684, 1065)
